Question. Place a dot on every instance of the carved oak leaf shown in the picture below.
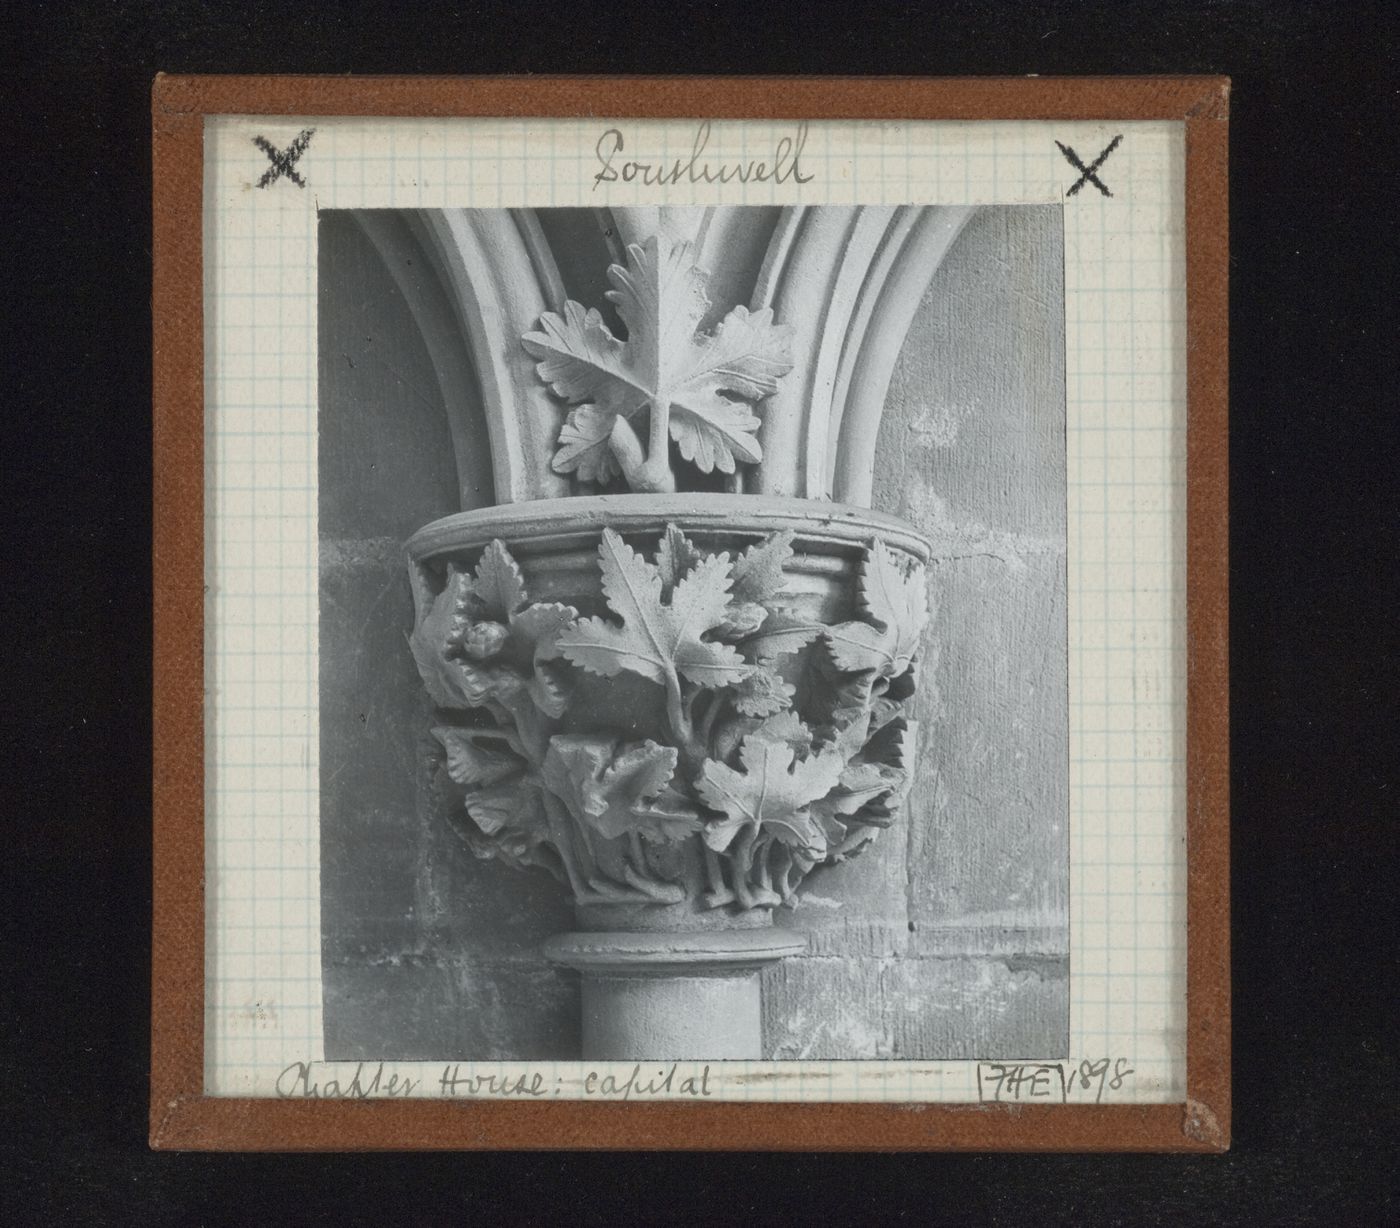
(844, 706)
(758, 572)
(780, 635)
(852, 708)
(666, 365)
(535, 632)
(896, 604)
(656, 640)
(866, 704)
(478, 756)
(773, 794)
(882, 711)
(449, 682)
(483, 643)
(515, 806)
(505, 818)
(584, 444)
(499, 588)
(511, 848)
(513, 819)
(676, 558)
(605, 783)
(860, 795)
(668, 818)
(891, 749)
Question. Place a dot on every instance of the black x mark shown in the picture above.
(1088, 175)
(283, 160)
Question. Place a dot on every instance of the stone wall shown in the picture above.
(949, 937)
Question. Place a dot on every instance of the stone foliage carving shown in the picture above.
(684, 384)
(691, 741)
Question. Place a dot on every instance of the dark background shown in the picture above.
(1313, 380)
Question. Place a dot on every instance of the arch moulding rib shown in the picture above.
(495, 273)
(847, 280)
(852, 274)
(414, 273)
(798, 281)
(852, 462)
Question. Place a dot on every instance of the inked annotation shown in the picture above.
(784, 165)
(1052, 1082)
(302, 1081)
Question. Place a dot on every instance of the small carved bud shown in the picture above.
(484, 640)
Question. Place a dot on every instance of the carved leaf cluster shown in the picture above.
(896, 610)
(620, 788)
(774, 792)
(484, 643)
(657, 638)
(501, 795)
(784, 743)
(702, 384)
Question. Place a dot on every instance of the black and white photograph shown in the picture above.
(693, 633)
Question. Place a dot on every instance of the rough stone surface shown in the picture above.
(993, 779)
(948, 937)
(915, 1008)
(384, 449)
(437, 1006)
(369, 853)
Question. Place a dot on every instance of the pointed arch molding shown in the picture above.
(847, 280)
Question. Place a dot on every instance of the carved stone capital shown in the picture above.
(679, 704)
(680, 717)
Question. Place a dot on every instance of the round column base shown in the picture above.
(673, 997)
